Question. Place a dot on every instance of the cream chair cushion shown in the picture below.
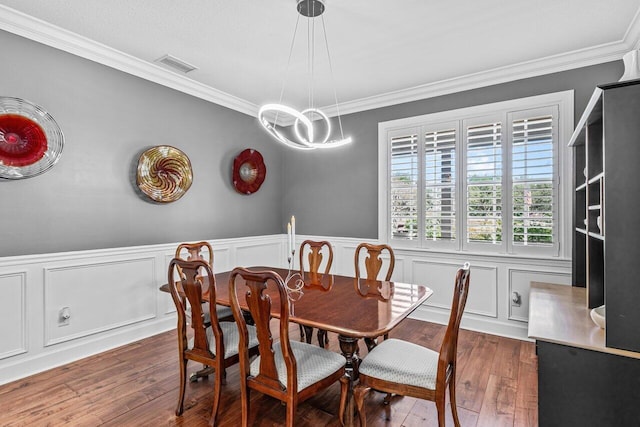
(402, 362)
(313, 363)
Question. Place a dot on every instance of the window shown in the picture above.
(483, 179)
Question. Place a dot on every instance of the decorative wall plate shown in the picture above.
(164, 173)
(30, 139)
(249, 171)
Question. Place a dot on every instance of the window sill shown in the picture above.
(468, 255)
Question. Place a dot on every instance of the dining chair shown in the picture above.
(315, 252)
(290, 371)
(407, 369)
(214, 345)
(202, 251)
(373, 264)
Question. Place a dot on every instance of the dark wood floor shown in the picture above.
(136, 385)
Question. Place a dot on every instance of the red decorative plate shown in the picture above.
(249, 171)
(30, 140)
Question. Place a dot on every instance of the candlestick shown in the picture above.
(288, 239)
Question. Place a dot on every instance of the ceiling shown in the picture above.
(382, 52)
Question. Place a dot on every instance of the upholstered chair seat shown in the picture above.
(402, 362)
(313, 363)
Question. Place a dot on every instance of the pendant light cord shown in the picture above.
(333, 81)
(286, 71)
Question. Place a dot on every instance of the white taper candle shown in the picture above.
(293, 232)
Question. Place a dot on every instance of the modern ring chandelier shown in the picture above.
(311, 127)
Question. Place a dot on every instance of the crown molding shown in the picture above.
(43, 32)
(632, 35)
(577, 59)
(40, 31)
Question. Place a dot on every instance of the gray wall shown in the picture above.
(89, 199)
(335, 193)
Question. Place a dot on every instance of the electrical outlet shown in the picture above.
(516, 299)
(64, 315)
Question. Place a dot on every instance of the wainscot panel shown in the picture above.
(519, 283)
(13, 305)
(89, 298)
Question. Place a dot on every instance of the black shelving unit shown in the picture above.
(606, 221)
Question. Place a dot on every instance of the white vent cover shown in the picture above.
(175, 63)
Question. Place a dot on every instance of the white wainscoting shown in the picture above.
(113, 299)
(493, 280)
(111, 295)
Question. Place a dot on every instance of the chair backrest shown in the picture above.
(193, 251)
(194, 276)
(261, 288)
(315, 252)
(373, 263)
(449, 345)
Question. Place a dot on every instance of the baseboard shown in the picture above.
(21, 367)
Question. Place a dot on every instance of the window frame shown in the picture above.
(509, 111)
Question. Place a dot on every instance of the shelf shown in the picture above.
(595, 207)
(592, 113)
(558, 314)
(596, 178)
(596, 235)
(581, 187)
(581, 230)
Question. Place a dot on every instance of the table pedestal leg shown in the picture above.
(349, 348)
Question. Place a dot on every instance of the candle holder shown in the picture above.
(294, 282)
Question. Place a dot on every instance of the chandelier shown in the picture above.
(310, 128)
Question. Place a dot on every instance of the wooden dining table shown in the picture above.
(352, 308)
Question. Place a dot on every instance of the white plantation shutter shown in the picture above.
(482, 179)
(484, 183)
(533, 194)
(440, 185)
(404, 186)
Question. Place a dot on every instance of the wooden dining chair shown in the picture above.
(373, 264)
(214, 345)
(289, 371)
(202, 251)
(311, 271)
(407, 369)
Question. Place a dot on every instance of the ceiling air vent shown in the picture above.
(175, 64)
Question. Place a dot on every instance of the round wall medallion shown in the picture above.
(249, 171)
(30, 139)
(164, 173)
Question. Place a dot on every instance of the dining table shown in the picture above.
(353, 308)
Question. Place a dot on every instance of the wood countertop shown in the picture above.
(559, 314)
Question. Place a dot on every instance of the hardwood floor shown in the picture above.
(137, 385)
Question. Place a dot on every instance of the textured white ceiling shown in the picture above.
(382, 51)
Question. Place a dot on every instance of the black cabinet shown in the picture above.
(606, 219)
(580, 387)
